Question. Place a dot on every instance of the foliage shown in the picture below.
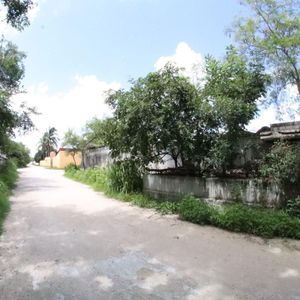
(8, 173)
(196, 211)
(125, 176)
(47, 143)
(293, 207)
(12, 72)
(97, 131)
(164, 114)
(76, 142)
(18, 152)
(39, 155)
(158, 116)
(282, 165)
(233, 87)
(17, 12)
(8, 176)
(272, 36)
(241, 218)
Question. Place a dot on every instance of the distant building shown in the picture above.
(64, 157)
(287, 131)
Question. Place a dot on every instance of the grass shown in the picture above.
(267, 223)
(8, 177)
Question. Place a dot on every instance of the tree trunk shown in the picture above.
(298, 85)
(175, 158)
(82, 159)
(73, 155)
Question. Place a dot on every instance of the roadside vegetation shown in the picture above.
(117, 182)
(8, 177)
(12, 154)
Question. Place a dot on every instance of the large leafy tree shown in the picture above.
(11, 74)
(165, 114)
(17, 12)
(160, 115)
(233, 87)
(271, 35)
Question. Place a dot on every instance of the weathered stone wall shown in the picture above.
(249, 191)
(99, 157)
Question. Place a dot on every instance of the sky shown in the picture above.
(77, 50)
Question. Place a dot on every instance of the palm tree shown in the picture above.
(49, 141)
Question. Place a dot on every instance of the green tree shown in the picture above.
(96, 131)
(48, 142)
(17, 12)
(232, 87)
(18, 152)
(38, 156)
(164, 114)
(271, 35)
(11, 74)
(76, 142)
(160, 115)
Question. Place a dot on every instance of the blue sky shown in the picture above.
(76, 50)
(118, 39)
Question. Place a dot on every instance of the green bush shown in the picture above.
(125, 176)
(293, 207)
(240, 218)
(17, 152)
(282, 165)
(8, 173)
(8, 176)
(195, 210)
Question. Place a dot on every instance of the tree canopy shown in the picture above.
(48, 142)
(11, 74)
(165, 114)
(271, 35)
(17, 12)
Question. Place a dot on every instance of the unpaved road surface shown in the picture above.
(62, 240)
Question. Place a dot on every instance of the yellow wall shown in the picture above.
(65, 158)
(46, 162)
(62, 159)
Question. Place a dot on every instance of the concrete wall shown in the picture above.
(46, 162)
(61, 160)
(224, 190)
(99, 157)
(65, 158)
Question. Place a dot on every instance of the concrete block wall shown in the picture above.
(249, 191)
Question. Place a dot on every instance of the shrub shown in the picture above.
(8, 176)
(8, 173)
(167, 207)
(195, 210)
(71, 168)
(240, 218)
(282, 165)
(293, 207)
(125, 176)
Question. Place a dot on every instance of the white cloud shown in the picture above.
(287, 110)
(193, 64)
(85, 100)
(6, 29)
(185, 57)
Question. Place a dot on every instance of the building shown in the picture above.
(64, 157)
(287, 131)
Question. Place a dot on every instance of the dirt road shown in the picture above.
(62, 240)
